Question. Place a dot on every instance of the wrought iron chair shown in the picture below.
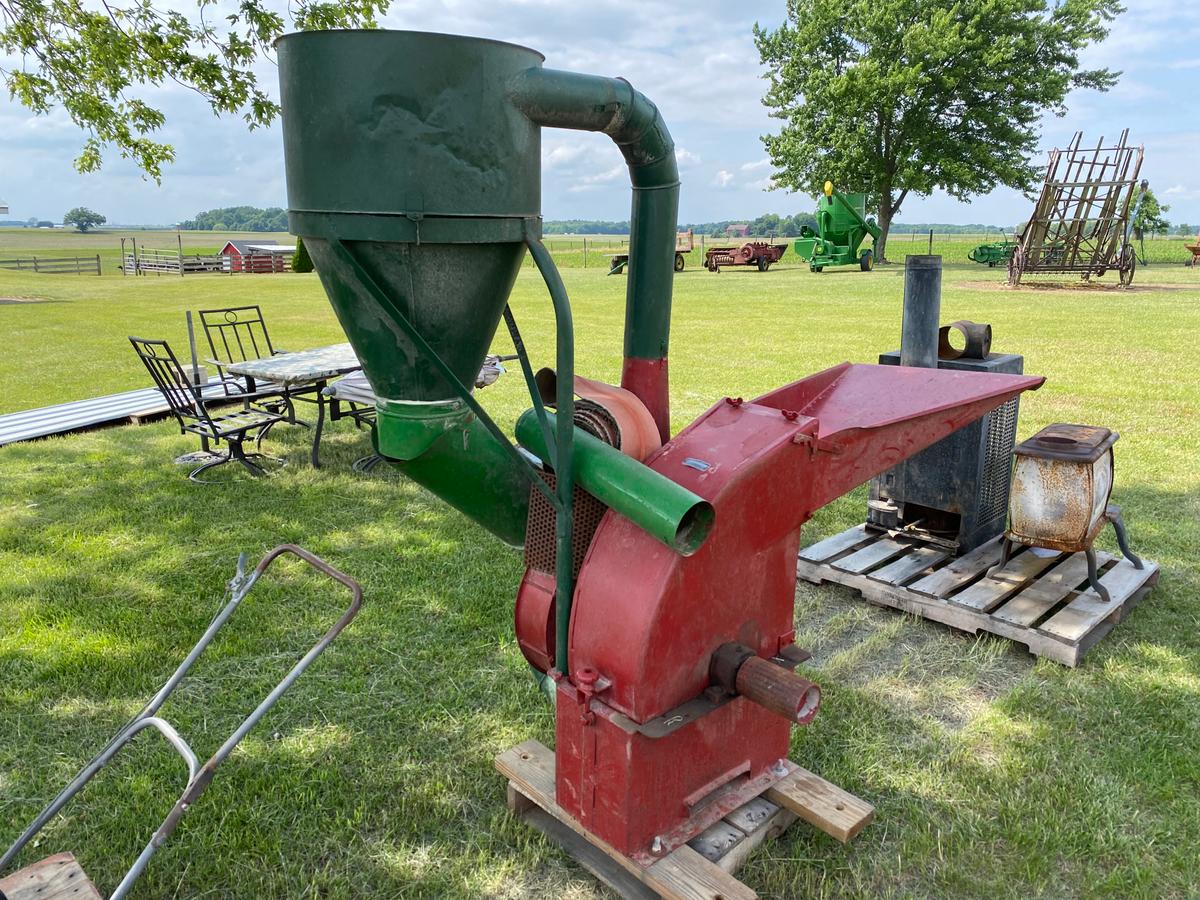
(190, 408)
(238, 334)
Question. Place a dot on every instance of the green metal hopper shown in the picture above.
(842, 226)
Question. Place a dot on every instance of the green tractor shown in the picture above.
(842, 226)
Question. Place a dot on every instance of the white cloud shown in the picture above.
(707, 83)
(562, 155)
(763, 184)
(596, 179)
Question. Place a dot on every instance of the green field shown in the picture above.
(570, 251)
(993, 775)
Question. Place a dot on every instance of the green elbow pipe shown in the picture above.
(559, 99)
(653, 502)
(447, 450)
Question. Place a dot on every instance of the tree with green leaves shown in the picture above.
(96, 60)
(1148, 219)
(903, 97)
(84, 219)
(301, 261)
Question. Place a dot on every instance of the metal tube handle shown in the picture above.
(198, 779)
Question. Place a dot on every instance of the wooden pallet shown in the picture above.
(57, 877)
(1041, 601)
(703, 868)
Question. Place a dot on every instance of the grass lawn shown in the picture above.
(993, 774)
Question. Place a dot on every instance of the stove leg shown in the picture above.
(1005, 556)
(1093, 579)
(1113, 514)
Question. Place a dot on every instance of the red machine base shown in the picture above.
(607, 767)
(705, 866)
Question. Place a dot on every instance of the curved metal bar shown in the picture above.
(198, 777)
(123, 737)
(527, 371)
(564, 569)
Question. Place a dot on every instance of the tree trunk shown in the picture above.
(885, 224)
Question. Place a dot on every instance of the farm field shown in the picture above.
(569, 250)
(993, 775)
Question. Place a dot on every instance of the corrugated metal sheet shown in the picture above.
(79, 415)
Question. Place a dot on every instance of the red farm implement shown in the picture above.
(753, 253)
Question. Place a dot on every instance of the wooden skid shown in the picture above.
(700, 870)
(1041, 601)
(57, 877)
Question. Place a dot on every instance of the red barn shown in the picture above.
(257, 256)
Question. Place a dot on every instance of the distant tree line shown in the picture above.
(765, 225)
(584, 226)
(238, 218)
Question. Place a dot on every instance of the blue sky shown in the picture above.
(701, 68)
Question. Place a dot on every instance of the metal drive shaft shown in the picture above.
(780, 690)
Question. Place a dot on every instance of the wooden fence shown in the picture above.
(263, 263)
(149, 261)
(65, 265)
(170, 262)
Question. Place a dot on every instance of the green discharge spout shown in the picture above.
(653, 502)
(447, 450)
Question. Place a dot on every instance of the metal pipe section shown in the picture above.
(922, 311)
(670, 513)
(558, 99)
(564, 454)
(779, 690)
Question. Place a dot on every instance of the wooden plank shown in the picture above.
(686, 875)
(1000, 584)
(588, 855)
(57, 877)
(1037, 599)
(1081, 615)
(913, 563)
(870, 556)
(832, 546)
(960, 571)
(823, 805)
(681, 875)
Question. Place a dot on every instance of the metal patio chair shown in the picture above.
(356, 392)
(238, 334)
(190, 407)
(33, 880)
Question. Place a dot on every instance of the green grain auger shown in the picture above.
(842, 226)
